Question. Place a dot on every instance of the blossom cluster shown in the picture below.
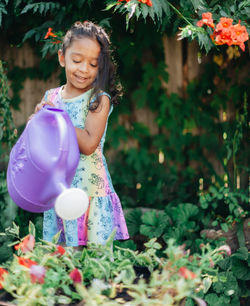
(148, 2)
(225, 32)
(37, 272)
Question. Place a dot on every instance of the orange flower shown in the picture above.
(148, 2)
(223, 37)
(26, 262)
(239, 35)
(187, 274)
(224, 23)
(26, 245)
(2, 272)
(228, 34)
(206, 20)
(50, 34)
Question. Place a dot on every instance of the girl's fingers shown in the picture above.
(41, 105)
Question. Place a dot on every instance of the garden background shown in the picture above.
(176, 145)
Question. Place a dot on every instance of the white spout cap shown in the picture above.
(71, 204)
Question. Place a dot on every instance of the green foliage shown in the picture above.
(3, 9)
(224, 206)
(7, 128)
(230, 284)
(154, 224)
(7, 137)
(158, 11)
(42, 7)
(106, 272)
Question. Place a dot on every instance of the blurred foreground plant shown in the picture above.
(43, 273)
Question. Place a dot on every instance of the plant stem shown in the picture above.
(179, 13)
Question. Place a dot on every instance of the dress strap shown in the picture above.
(102, 93)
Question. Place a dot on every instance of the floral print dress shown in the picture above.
(104, 212)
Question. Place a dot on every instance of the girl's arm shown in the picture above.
(90, 137)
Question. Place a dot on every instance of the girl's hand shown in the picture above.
(40, 106)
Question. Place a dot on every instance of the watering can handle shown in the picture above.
(63, 135)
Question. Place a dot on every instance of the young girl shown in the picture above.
(85, 55)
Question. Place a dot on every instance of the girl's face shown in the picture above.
(81, 64)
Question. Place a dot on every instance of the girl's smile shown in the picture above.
(81, 66)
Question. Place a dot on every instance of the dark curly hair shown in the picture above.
(106, 77)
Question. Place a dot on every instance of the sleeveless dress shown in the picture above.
(104, 212)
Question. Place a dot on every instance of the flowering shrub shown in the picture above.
(225, 32)
(47, 273)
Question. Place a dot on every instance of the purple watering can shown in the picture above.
(42, 166)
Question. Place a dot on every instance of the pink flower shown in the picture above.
(76, 276)
(37, 274)
(226, 249)
(27, 244)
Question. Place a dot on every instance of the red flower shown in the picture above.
(59, 250)
(26, 245)
(76, 276)
(26, 262)
(2, 272)
(187, 274)
(223, 37)
(50, 34)
(37, 274)
(206, 20)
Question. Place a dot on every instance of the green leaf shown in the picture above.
(218, 287)
(133, 220)
(212, 299)
(224, 227)
(199, 5)
(32, 229)
(183, 212)
(144, 10)
(110, 5)
(225, 264)
(242, 253)
(2, 11)
(166, 8)
(56, 237)
(157, 6)
(109, 242)
(241, 269)
(207, 282)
